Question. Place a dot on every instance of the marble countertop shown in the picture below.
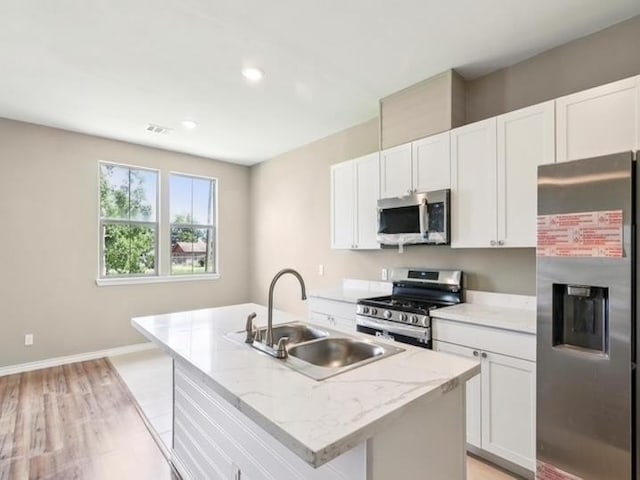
(316, 420)
(343, 294)
(352, 290)
(507, 318)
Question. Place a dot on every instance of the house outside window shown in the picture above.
(193, 229)
(128, 221)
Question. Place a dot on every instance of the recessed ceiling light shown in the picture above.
(189, 124)
(252, 74)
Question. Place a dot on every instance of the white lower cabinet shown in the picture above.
(333, 314)
(474, 392)
(500, 402)
(508, 408)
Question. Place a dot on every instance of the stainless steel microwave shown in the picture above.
(421, 217)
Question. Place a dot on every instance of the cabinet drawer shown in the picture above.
(505, 342)
(333, 308)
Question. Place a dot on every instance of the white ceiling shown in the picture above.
(109, 67)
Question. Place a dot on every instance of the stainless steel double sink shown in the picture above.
(319, 352)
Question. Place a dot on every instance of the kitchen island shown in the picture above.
(241, 414)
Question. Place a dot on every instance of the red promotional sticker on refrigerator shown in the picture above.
(583, 234)
(546, 471)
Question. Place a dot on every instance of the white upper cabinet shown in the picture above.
(342, 205)
(355, 187)
(395, 167)
(423, 166)
(599, 121)
(494, 177)
(526, 139)
(367, 171)
(473, 185)
(431, 163)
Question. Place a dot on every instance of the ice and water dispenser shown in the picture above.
(581, 317)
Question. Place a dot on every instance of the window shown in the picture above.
(193, 224)
(128, 221)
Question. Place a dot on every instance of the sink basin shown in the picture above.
(296, 332)
(336, 352)
(318, 352)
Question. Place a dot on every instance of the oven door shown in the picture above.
(409, 334)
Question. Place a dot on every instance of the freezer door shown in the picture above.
(585, 313)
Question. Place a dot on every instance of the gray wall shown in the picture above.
(290, 218)
(273, 215)
(49, 246)
(290, 194)
(602, 57)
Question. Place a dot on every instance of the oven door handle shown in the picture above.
(392, 327)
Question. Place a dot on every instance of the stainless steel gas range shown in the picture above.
(404, 316)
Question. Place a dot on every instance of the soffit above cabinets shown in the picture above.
(112, 68)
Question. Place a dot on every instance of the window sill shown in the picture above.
(108, 282)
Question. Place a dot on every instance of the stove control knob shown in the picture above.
(414, 319)
(387, 314)
(425, 321)
(403, 317)
(365, 310)
(374, 311)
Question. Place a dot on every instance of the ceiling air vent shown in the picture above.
(153, 128)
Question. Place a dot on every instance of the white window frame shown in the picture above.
(163, 237)
(102, 222)
(213, 226)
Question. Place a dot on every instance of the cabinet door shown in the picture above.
(474, 392)
(395, 171)
(342, 205)
(473, 185)
(598, 121)
(367, 195)
(526, 139)
(508, 408)
(432, 163)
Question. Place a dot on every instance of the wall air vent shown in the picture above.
(153, 128)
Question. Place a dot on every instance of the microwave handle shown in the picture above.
(424, 218)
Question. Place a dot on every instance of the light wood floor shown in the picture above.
(74, 422)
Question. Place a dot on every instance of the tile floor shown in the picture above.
(148, 375)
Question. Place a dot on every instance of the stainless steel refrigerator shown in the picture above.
(587, 335)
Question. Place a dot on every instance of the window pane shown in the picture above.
(129, 249)
(202, 201)
(180, 189)
(208, 260)
(191, 251)
(143, 250)
(143, 195)
(114, 192)
(128, 193)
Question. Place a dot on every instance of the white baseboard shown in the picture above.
(80, 357)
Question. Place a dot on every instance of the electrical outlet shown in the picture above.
(385, 274)
(321, 269)
(28, 339)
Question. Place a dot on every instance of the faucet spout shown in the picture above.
(303, 288)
